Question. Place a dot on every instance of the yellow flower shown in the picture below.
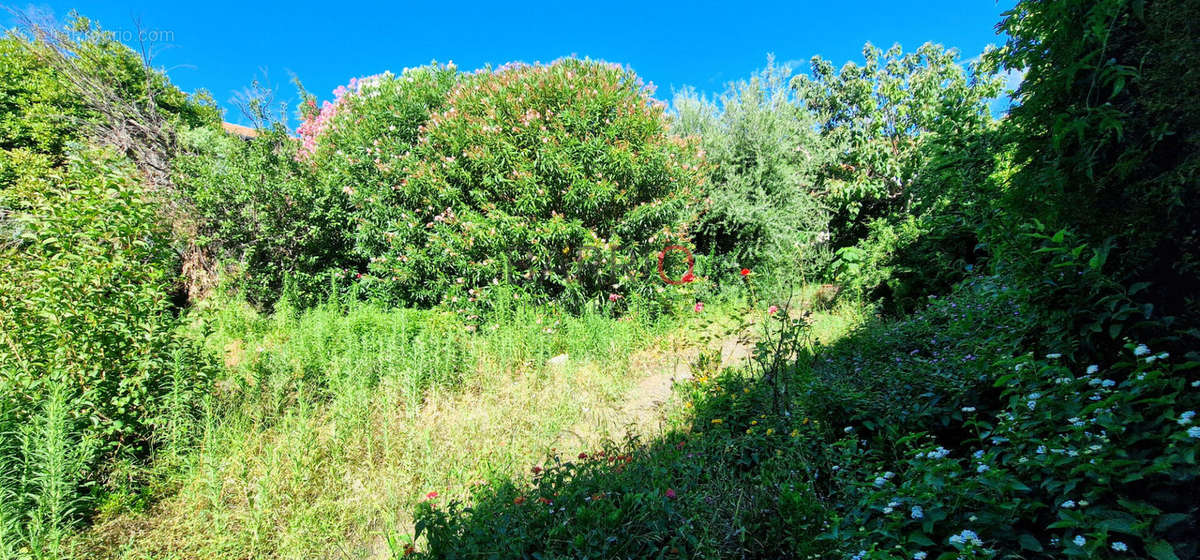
(716, 421)
(754, 422)
(746, 390)
(747, 430)
(805, 421)
(795, 433)
(770, 431)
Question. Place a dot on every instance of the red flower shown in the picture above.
(688, 277)
(745, 272)
(536, 470)
(670, 493)
(583, 455)
(545, 500)
(431, 495)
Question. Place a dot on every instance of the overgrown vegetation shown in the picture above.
(913, 330)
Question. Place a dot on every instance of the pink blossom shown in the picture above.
(772, 310)
(670, 493)
(614, 297)
(699, 307)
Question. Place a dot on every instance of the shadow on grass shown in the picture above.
(736, 477)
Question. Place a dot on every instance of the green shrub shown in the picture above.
(759, 209)
(1106, 139)
(560, 180)
(266, 213)
(85, 297)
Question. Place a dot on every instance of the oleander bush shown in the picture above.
(560, 180)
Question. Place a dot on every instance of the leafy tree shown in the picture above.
(913, 149)
(876, 118)
(761, 150)
(1107, 139)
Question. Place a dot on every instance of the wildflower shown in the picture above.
(583, 455)
(968, 409)
(745, 272)
(1053, 356)
(978, 454)
(1141, 350)
(917, 512)
(887, 510)
(431, 495)
(848, 429)
(1194, 432)
(888, 475)
(1186, 417)
(614, 297)
(699, 307)
(966, 536)
(519, 500)
(670, 493)
(1068, 504)
(716, 421)
(1108, 383)
(545, 500)
(1093, 369)
(772, 310)
(1120, 546)
(880, 481)
(920, 556)
(1079, 540)
(536, 470)
(982, 469)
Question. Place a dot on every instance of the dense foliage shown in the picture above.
(559, 179)
(760, 209)
(1023, 383)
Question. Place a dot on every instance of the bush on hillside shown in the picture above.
(759, 209)
(85, 298)
(266, 215)
(1107, 140)
(558, 179)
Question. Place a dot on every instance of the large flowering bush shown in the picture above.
(559, 179)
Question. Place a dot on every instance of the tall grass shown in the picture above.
(331, 424)
(44, 468)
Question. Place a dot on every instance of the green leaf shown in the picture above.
(1164, 522)
(1161, 550)
(1028, 542)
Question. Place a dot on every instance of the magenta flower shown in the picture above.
(699, 307)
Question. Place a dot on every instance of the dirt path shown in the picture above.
(640, 411)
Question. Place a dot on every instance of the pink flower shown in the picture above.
(772, 310)
(614, 297)
(431, 495)
(699, 307)
(670, 493)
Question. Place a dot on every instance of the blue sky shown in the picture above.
(222, 46)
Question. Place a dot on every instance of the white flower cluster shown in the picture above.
(966, 536)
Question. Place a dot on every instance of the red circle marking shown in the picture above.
(687, 276)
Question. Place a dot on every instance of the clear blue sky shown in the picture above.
(222, 46)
